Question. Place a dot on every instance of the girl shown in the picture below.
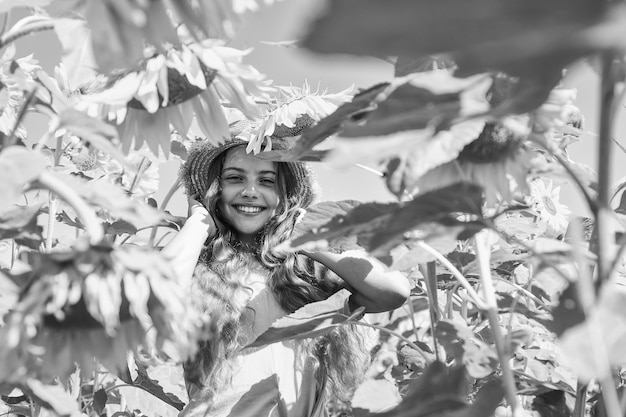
(240, 208)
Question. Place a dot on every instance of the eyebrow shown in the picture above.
(243, 171)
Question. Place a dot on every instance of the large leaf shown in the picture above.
(380, 227)
(441, 390)
(6, 5)
(77, 52)
(312, 320)
(20, 223)
(375, 395)
(460, 342)
(18, 167)
(114, 200)
(603, 331)
(53, 397)
(519, 38)
(362, 103)
(151, 384)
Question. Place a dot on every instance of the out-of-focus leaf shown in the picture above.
(17, 217)
(77, 54)
(375, 396)
(362, 103)
(179, 150)
(18, 167)
(119, 227)
(605, 326)
(20, 223)
(99, 401)
(260, 400)
(532, 37)
(319, 214)
(98, 133)
(406, 65)
(114, 200)
(461, 343)
(6, 5)
(380, 227)
(312, 320)
(53, 397)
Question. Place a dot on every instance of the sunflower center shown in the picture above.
(494, 144)
(549, 205)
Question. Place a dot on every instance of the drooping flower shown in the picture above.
(171, 89)
(95, 305)
(544, 199)
(290, 112)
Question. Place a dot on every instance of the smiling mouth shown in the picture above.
(249, 209)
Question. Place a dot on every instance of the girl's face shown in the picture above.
(249, 195)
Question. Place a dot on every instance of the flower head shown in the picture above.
(95, 304)
(544, 199)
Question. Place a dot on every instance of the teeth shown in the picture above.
(248, 209)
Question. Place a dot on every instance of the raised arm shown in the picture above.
(183, 250)
(371, 285)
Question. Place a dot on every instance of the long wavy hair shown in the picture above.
(295, 280)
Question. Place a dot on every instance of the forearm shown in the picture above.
(183, 250)
(372, 286)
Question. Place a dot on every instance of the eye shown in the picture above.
(268, 181)
(233, 178)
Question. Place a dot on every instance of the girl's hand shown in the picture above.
(197, 210)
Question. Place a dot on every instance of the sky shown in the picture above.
(286, 20)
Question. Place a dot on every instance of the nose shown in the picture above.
(249, 191)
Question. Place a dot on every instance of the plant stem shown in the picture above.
(166, 200)
(472, 294)
(52, 202)
(581, 400)
(33, 27)
(603, 212)
(93, 228)
(483, 254)
(10, 139)
(430, 274)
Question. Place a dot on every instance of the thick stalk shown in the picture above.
(603, 213)
(489, 294)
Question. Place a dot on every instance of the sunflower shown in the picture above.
(544, 199)
(170, 89)
(292, 110)
(94, 305)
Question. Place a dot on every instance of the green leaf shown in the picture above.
(380, 227)
(531, 37)
(53, 397)
(7, 5)
(114, 200)
(375, 396)
(153, 386)
(312, 320)
(17, 217)
(119, 227)
(77, 52)
(408, 107)
(362, 103)
(96, 132)
(441, 391)
(18, 167)
(99, 401)
(460, 342)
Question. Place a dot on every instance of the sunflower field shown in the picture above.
(518, 307)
